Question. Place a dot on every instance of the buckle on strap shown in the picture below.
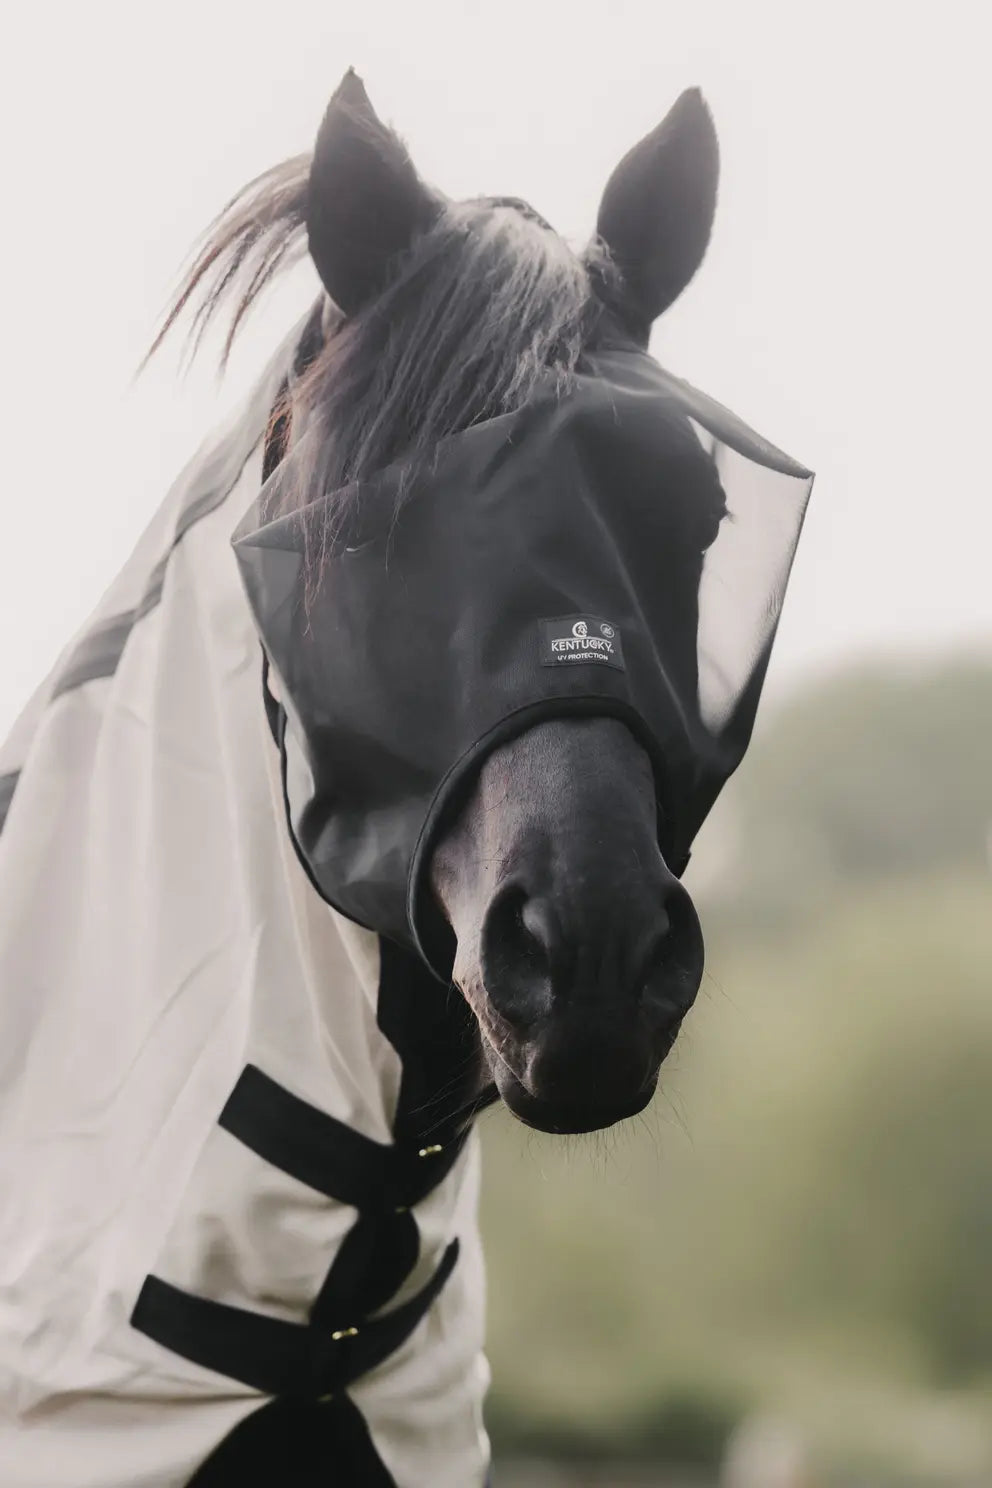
(273, 1356)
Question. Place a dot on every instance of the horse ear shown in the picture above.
(365, 201)
(657, 210)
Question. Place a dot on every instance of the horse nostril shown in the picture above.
(673, 968)
(516, 940)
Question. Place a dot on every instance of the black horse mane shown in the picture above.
(484, 304)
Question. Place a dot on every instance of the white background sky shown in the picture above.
(843, 308)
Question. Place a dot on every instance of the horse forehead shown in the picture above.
(519, 205)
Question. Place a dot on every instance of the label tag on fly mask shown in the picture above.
(573, 639)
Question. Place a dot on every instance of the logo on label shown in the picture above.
(575, 639)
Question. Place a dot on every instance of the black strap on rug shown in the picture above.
(333, 1158)
(297, 1444)
(303, 1360)
(311, 1432)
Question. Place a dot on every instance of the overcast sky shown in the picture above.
(843, 309)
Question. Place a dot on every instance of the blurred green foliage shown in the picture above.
(870, 775)
(687, 1430)
(803, 1220)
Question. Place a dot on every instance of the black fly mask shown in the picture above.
(619, 549)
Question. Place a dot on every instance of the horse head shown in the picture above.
(577, 948)
(574, 943)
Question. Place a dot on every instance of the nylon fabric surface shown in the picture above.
(158, 939)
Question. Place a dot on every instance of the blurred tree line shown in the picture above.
(803, 1220)
(866, 777)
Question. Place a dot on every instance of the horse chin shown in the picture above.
(562, 1118)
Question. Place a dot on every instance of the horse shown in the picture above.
(289, 898)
